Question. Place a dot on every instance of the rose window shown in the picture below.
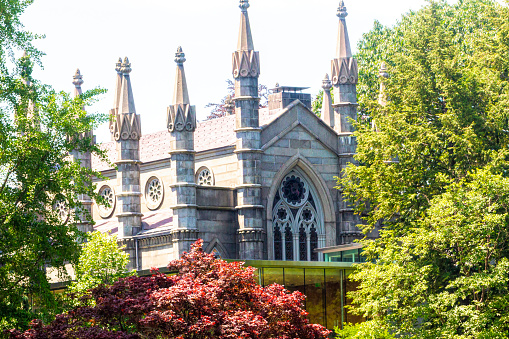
(105, 210)
(294, 190)
(205, 177)
(61, 210)
(154, 193)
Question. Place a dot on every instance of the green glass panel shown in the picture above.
(315, 292)
(350, 286)
(294, 280)
(273, 275)
(333, 297)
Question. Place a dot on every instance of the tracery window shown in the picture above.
(154, 193)
(61, 209)
(297, 221)
(106, 210)
(204, 177)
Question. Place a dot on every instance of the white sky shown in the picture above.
(296, 40)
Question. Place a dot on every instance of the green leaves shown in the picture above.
(433, 176)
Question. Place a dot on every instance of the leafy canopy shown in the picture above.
(433, 174)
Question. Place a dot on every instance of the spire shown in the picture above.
(180, 94)
(327, 110)
(118, 85)
(77, 81)
(382, 96)
(245, 38)
(343, 45)
(126, 99)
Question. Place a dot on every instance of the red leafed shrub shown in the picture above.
(208, 298)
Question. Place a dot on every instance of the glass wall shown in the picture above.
(325, 289)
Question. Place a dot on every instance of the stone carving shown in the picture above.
(342, 13)
(229, 105)
(246, 64)
(124, 122)
(181, 117)
(77, 79)
(344, 71)
(154, 192)
(244, 5)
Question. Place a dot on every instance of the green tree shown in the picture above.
(39, 127)
(101, 261)
(433, 174)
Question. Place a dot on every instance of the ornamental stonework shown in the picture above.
(125, 126)
(181, 117)
(246, 64)
(344, 71)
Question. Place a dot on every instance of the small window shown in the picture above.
(154, 193)
(204, 177)
(105, 211)
(61, 209)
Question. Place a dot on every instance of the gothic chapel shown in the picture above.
(256, 184)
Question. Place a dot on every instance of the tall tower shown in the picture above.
(85, 159)
(344, 78)
(181, 118)
(246, 70)
(125, 128)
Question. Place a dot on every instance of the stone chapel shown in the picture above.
(256, 184)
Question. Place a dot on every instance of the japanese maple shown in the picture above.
(206, 298)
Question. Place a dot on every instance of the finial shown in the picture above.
(118, 65)
(326, 83)
(277, 84)
(383, 70)
(244, 5)
(342, 13)
(126, 66)
(77, 79)
(180, 56)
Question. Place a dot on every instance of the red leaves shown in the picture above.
(208, 298)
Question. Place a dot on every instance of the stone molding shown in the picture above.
(251, 235)
(184, 234)
(181, 117)
(125, 126)
(344, 71)
(246, 64)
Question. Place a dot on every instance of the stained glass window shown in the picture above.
(278, 245)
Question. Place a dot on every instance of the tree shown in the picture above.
(206, 298)
(38, 129)
(221, 109)
(101, 261)
(433, 175)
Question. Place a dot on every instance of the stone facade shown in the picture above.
(254, 184)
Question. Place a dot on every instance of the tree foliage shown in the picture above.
(39, 127)
(101, 261)
(207, 298)
(433, 174)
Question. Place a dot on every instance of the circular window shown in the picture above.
(204, 177)
(105, 211)
(294, 190)
(154, 193)
(61, 210)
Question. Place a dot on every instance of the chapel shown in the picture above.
(256, 184)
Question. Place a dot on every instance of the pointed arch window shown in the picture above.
(297, 220)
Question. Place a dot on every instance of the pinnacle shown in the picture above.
(342, 13)
(77, 79)
(180, 56)
(326, 83)
(245, 42)
(244, 5)
(126, 66)
(383, 70)
(118, 65)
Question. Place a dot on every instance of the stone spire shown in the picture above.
(118, 84)
(344, 78)
(77, 81)
(125, 128)
(181, 115)
(382, 96)
(245, 37)
(229, 105)
(85, 160)
(181, 125)
(327, 110)
(246, 70)
(343, 44)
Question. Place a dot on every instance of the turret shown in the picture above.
(246, 69)
(181, 124)
(85, 160)
(344, 78)
(327, 113)
(125, 128)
